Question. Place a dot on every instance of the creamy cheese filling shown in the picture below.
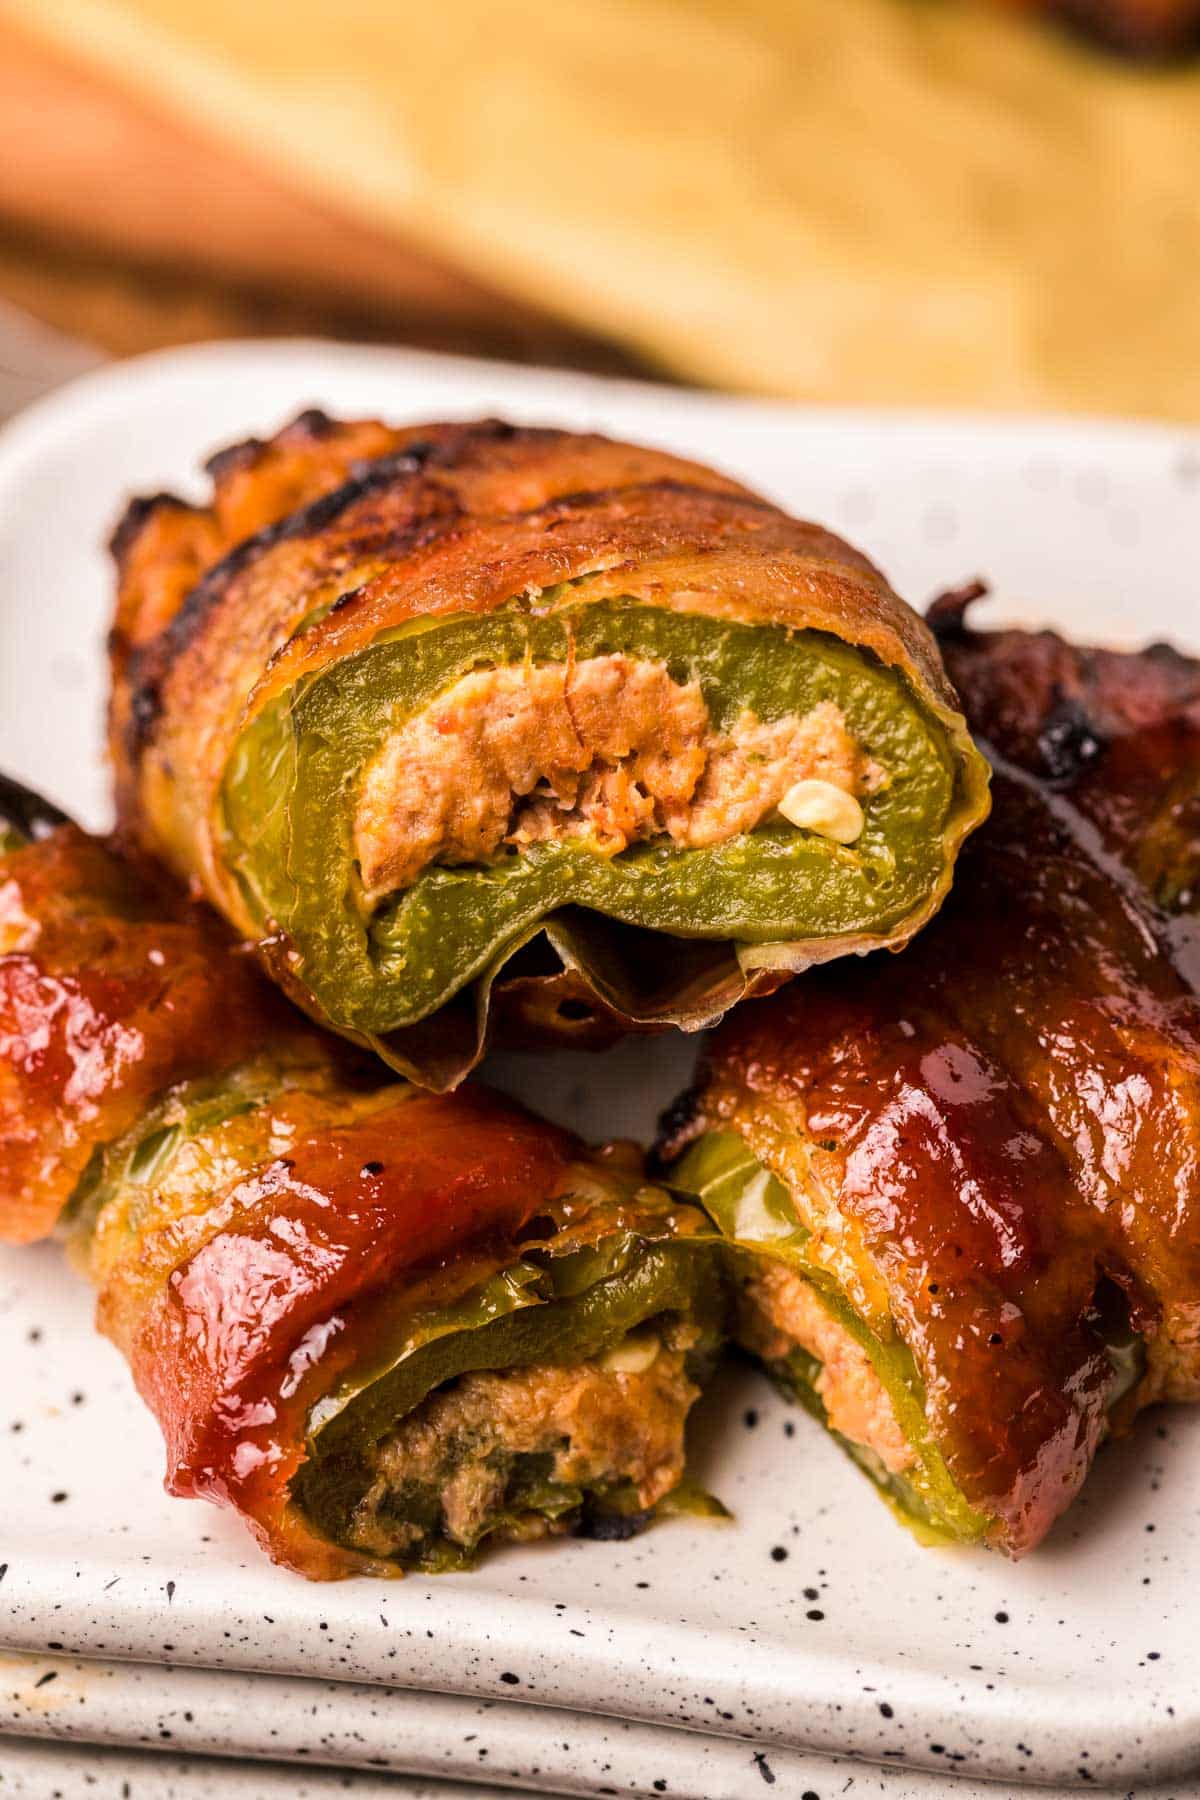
(610, 748)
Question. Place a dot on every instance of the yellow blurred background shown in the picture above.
(925, 202)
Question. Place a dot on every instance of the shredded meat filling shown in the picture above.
(610, 748)
(453, 1459)
(779, 1313)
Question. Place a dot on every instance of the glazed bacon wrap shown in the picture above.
(966, 1184)
(472, 724)
(111, 991)
(384, 1326)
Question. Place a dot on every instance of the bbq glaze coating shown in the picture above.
(989, 1127)
(221, 609)
(112, 988)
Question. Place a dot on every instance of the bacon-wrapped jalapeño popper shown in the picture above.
(385, 1326)
(964, 1185)
(463, 720)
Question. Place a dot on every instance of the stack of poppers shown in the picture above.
(478, 733)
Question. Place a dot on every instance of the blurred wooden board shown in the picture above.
(133, 229)
(867, 201)
(876, 202)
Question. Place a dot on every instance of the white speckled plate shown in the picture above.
(402, 1740)
(33, 1770)
(1079, 1662)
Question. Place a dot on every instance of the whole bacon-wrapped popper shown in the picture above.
(964, 1185)
(469, 720)
(385, 1326)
